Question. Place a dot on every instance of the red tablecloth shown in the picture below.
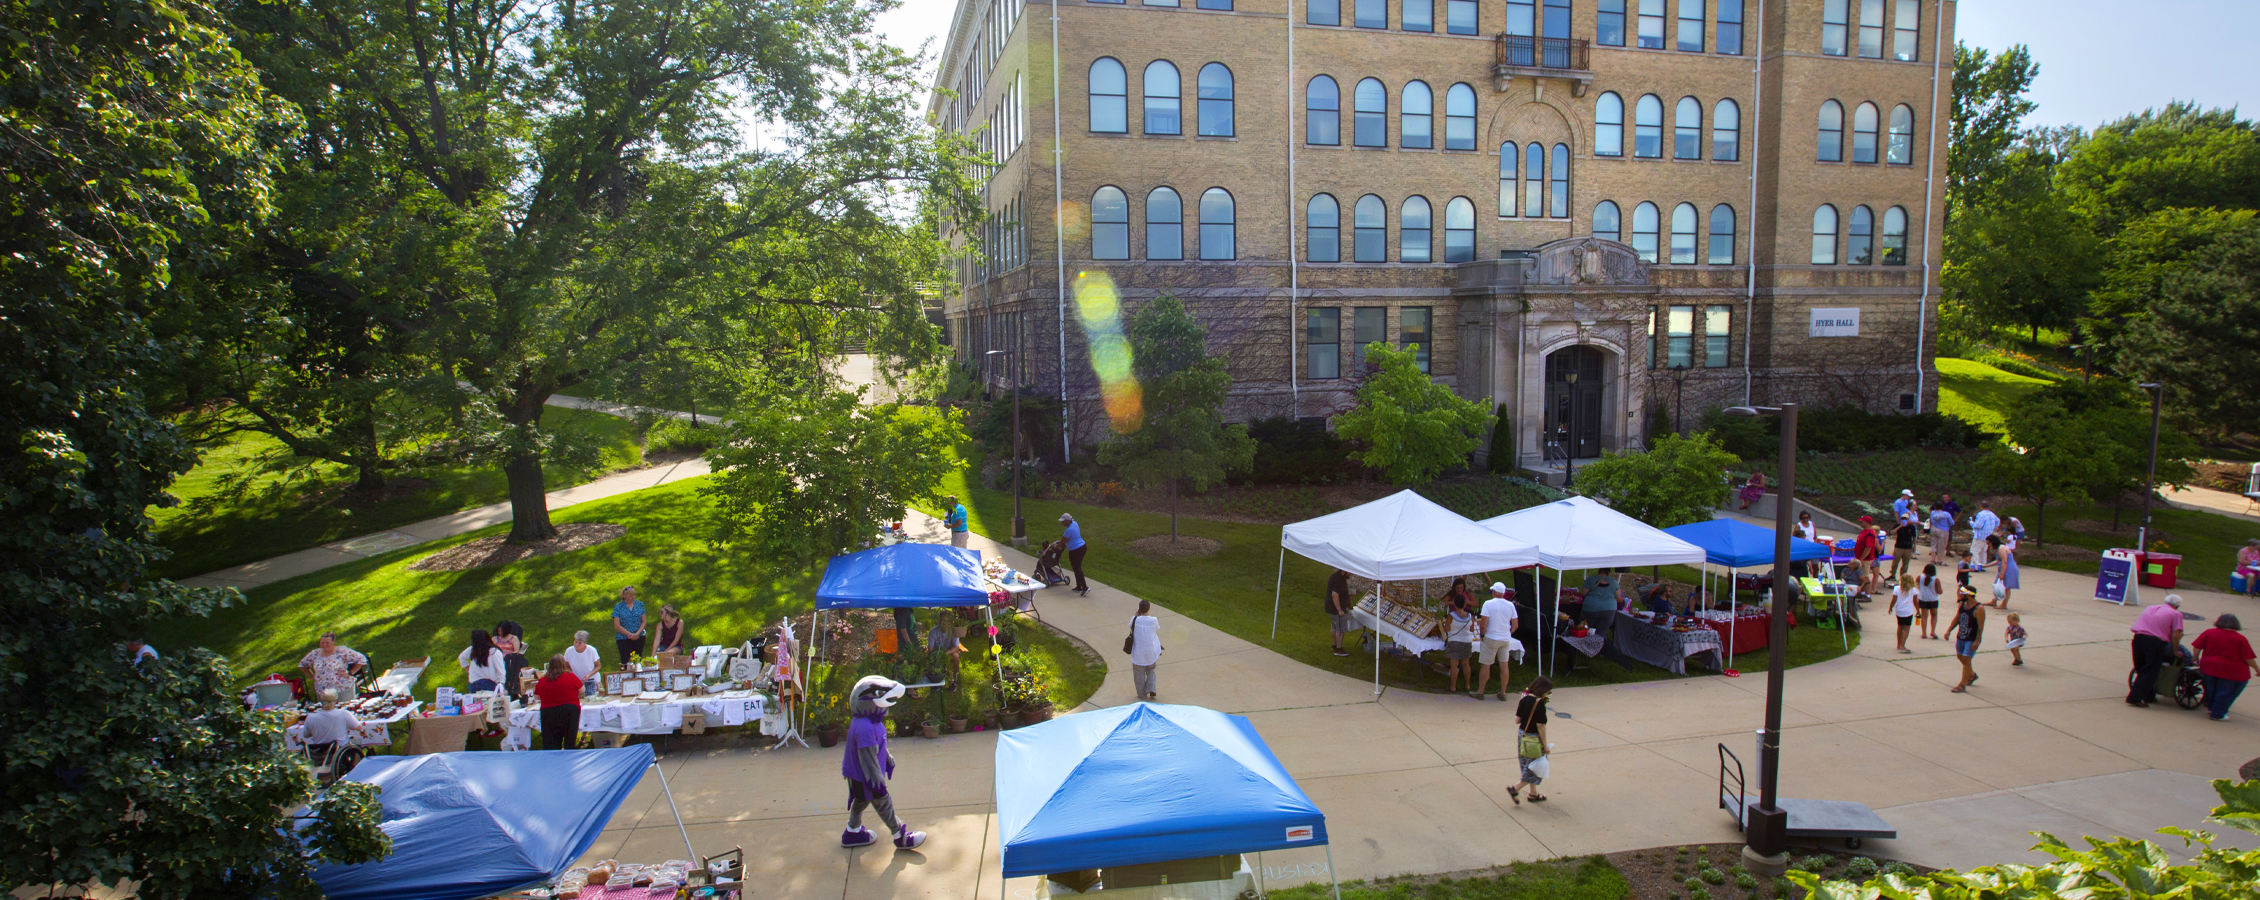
(1749, 632)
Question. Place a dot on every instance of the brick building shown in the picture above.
(1581, 210)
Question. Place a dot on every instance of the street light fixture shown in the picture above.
(2150, 482)
(1768, 825)
(2087, 368)
(1678, 394)
(1569, 446)
(1019, 525)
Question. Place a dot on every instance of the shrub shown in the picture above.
(1692, 884)
(672, 435)
(1699, 893)
(1816, 863)
(1861, 868)
(1711, 875)
(1896, 867)
(1745, 880)
(1842, 429)
(1291, 451)
(1781, 888)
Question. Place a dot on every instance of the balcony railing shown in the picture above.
(1543, 53)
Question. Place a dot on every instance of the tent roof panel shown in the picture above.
(909, 574)
(1405, 536)
(1581, 533)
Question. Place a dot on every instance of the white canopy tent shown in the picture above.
(1581, 533)
(1401, 537)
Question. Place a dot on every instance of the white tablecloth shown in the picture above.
(1405, 639)
(663, 717)
(366, 732)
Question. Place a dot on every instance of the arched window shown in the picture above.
(1322, 112)
(1165, 225)
(1608, 125)
(1824, 236)
(1648, 127)
(1416, 107)
(1831, 147)
(1722, 236)
(1859, 239)
(1534, 180)
(1413, 234)
(1606, 221)
(1863, 133)
(1509, 170)
(1370, 242)
(1324, 221)
(1687, 128)
(1216, 224)
(1895, 236)
(1683, 234)
(1459, 117)
(1110, 97)
(1216, 100)
(1726, 131)
(1644, 222)
(1110, 224)
(1372, 114)
(1162, 97)
(1558, 199)
(1900, 150)
(1459, 230)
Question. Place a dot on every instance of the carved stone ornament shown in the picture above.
(1589, 260)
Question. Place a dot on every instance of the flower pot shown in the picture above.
(1035, 714)
(930, 729)
(829, 735)
(957, 630)
(989, 720)
(957, 725)
(1011, 719)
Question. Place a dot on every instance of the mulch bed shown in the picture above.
(486, 553)
(1161, 547)
(1661, 873)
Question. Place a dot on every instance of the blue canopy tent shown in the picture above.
(900, 575)
(1736, 544)
(477, 824)
(1145, 783)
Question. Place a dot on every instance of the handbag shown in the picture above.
(1532, 746)
(1132, 637)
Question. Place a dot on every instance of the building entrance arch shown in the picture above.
(1575, 393)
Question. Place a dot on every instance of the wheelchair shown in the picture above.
(2178, 676)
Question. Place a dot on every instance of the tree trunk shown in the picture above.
(365, 439)
(2040, 523)
(1173, 510)
(371, 480)
(529, 502)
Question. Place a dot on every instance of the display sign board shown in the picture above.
(1843, 322)
(2117, 572)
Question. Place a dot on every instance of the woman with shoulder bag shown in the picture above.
(1144, 646)
(1530, 739)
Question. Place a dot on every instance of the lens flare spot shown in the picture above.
(1098, 306)
(1074, 219)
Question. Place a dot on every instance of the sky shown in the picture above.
(2099, 59)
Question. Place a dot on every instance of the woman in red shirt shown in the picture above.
(2224, 659)
(560, 695)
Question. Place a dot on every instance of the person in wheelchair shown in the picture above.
(328, 734)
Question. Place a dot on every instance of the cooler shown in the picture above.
(2158, 569)
(2240, 583)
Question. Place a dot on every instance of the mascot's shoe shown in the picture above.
(858, 837)
(907, 839)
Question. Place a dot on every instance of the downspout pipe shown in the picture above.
(1757, 139)
(1294, 272)
(1930, 170)
(1059, 245)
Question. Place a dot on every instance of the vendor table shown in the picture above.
(1408, 640)
(366, 732)
(402, 677)
(663, 717)
(1589, 644)
(1664, 648)
(1749, 631)
(442, 734)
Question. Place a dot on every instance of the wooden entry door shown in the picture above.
(1573, 406)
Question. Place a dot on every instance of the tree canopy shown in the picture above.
(1411, 428)
(1676, 481)
(1181, 436)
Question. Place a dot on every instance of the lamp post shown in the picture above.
(2150, 481)
(1019, 525)
(2087, 368)
(1768, 825)
(1678, 394)
(1569, 447)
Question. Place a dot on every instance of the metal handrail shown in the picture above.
(1543, 53)
(1741, 787)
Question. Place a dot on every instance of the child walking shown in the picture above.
(2016, 643)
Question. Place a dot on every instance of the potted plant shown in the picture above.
(830, 719)
(958, 724)
(930, 728)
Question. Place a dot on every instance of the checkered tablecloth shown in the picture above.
(1664, 648)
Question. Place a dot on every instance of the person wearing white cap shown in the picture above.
(1903, 509)
(1496, 625)
(1074, 539)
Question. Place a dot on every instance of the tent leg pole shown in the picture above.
(991, 612)
(1276, 583)
(1377, 638)
(1330, 873)
(670, 792)
(1259, 875)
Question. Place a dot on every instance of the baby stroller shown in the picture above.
(2179, 677)
(1047, 563)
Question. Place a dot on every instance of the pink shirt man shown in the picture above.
(2162, 622)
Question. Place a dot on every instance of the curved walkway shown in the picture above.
(1415, 783)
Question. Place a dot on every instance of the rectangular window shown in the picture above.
(1322, 343)
(1522, 17)
(1691, 26)
(1323, 12)
(1460, 16)
(1871, 29)
(1556, 25)
(1716, 336)
(1412, 333)
(1679, 342)
(1417, 15)
(1608, 26)
(1651, 337)
(1730, 27)
(1159, 2)
(1835, 36)
(1906, 30)
(1652, 24)
(1369, 325)
(1372, 13)
(1225, 5)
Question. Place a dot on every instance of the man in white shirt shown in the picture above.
(1496, 624)
(326, 727)
(1982, 526)
(1145, 651)
(586, 663)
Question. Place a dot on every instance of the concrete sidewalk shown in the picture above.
(1416, 783)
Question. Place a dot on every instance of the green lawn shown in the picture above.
(213, 528)
(2206, 541)
(1567, 878)
(384, 610)
(1227, 591)
(1978, 392)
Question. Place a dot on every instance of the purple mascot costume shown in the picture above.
(867, 765)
